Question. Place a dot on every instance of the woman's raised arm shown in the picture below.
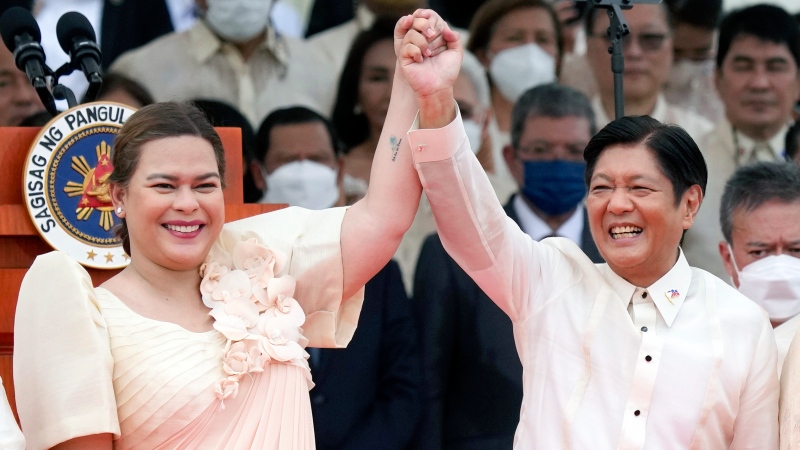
(373, 227)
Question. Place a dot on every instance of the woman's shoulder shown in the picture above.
(55, 279)
(57, 267)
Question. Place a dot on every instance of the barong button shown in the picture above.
(636, 413)
(644, 329)
(644, 294)
(648, 358)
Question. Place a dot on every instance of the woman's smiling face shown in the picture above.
(173, 203)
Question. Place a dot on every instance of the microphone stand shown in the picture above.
(617, 29)
(61, 92)
(39, 83)
(44, 94)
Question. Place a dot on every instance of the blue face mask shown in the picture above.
(554, 187)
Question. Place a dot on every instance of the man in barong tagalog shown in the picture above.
(643, 351)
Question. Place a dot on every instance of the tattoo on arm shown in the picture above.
(395, 143)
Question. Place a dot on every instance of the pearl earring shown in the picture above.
(119, 210)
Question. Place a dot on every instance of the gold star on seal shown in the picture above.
(91, 254)
(109, 257)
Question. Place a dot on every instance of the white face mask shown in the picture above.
(518, 69)
(686, 73)
(774, 284)
(474, 134)
(304, 183)
(238, 20)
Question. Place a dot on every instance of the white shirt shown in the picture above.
(538, 229)
(335, 43)
(702, 375)
(745, 146)
(696, 125)
(784, 333)
(196, 64)
(502, 181)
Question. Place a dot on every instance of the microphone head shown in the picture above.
(16, 21)
(73, 25)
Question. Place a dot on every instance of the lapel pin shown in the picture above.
(671, 295)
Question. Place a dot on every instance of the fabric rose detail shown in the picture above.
(227, 388)
(255, 310)
(211, 273)
(236, 359)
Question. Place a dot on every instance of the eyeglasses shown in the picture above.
(649, 42)
(547, 150)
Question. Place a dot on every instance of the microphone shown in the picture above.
(77, 38)
(21, 35)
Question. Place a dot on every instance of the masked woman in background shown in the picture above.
(362, 102)
(520, 43)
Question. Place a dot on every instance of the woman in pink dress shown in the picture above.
(199, 342)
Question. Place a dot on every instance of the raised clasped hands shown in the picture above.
(429, 54)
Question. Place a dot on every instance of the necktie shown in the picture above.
(761, 152)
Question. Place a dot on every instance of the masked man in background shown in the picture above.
(758, 79)
(760, 219)
(648, 51)
(378, 375)
(234, 55)
(690, 84)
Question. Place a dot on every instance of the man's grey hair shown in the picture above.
(476, 73)
(753, 185)
(550, 100)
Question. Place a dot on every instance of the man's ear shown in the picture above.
(727, 261)
(692, 199)
(718, 80)
(514, 164)
(483, 58)
(340, 163)
(487, 119)
(258, 175)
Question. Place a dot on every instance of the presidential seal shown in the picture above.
(66, 183)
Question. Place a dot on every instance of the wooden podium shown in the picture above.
(20, 243)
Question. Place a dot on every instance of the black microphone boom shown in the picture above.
(77, 38)
(22, 36)
(617, 29)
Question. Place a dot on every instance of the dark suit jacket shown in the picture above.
(472, 377)
(128, 24)
(367, 396)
